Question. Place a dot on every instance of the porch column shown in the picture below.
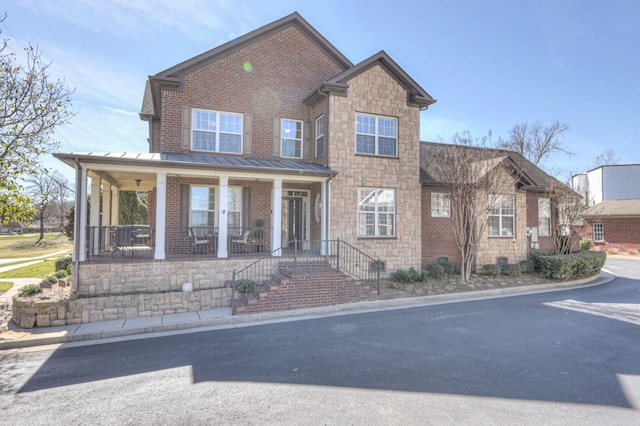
(106, 205)
(223, 200)
(276, 222)
(161, 213)
(324, 216)
(115, 206)
(94, 219)
(80, 238)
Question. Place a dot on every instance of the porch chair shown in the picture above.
(243, 242)
(199, 242)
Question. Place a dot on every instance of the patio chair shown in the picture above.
(242, 243)
(199, 241)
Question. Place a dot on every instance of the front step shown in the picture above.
(304, 286)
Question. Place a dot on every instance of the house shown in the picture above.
(268, 146)
(613, 224)
(613, 216)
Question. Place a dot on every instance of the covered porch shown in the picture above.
(199, 206)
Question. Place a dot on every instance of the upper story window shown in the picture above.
(544, 217)
(291, 138)
(598, 232)
(320, 136)
(440, 205)
(376, 212)
(216, 131)
(376, 135)
(502, 215)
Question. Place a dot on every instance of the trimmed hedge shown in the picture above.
(436, 270)
(491, 270)
(409, 276)
(511, 270)
(526, 266)
(565, 266)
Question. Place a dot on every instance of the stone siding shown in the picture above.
(376, 92)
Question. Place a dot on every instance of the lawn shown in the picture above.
(37, 270)
(18, 246)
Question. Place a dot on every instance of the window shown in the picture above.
(376, 135)
(203, 206)
(501, 216)
(544, 217)
(376, 212)
(320, 136)
(598, 232)
(216, 131)
(291, 137)
(440, 205)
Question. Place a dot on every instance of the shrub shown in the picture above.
(511, 270)
(564, 266)
(491, 270)
(63, 263)
(448, 267)
(526, 266)
(52, 278)
(409, 276)
(435, 270)
(585, 244)
(244, 286)
(60, 274)
(29, 290)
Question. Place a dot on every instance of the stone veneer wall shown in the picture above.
(129, 290)
(376, 92)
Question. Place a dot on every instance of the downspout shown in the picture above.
(77, 227)
(326, 164)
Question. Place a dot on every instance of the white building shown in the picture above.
(613, 182)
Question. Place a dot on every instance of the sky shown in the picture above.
(490, 64)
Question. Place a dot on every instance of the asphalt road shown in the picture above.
(570, 357)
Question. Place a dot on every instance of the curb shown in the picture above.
(226, 320)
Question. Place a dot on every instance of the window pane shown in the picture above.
(387, 127)
(507, 226)
(204, 141)
(366, 224)
(204, 120)
(199, 218)
(494, 225)
(230, 123)
(365, 124)
(203, 198)
(291, 148)
(230, 143)
(365, 144)
(387, 146)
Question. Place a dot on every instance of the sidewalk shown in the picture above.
(108, 331)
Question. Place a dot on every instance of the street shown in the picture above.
(568, 357)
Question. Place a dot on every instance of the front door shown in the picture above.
(292, 230)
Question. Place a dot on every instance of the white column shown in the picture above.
(276, 217)
(80, 239)
(161, 214)
(106, 205)
(115, 206)
(223, 204)
(94, 219)
(324, 215)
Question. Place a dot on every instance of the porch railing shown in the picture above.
(122, 240)
(205, 240)
(337, 254)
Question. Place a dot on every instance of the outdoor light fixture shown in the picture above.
(138, 182)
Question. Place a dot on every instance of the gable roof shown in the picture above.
(172, 76)
(416, 94)
(614, 208)
(531, 176)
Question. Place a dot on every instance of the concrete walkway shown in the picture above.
(211, 319)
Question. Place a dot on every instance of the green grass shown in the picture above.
(17, 246)
(5, 285)
(37, 270)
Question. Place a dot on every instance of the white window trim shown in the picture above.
(376, 135)
(321, 135)
(501, 215)
(598, 235)
(376, 213)
(440, 209)
(217, 132)
(542, 201)
(300, 141)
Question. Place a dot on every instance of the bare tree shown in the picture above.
(566, 210)
(472, 176)
(42, 188)
(536, 141)
(31, 106)
(61, 195)
(608, 157)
